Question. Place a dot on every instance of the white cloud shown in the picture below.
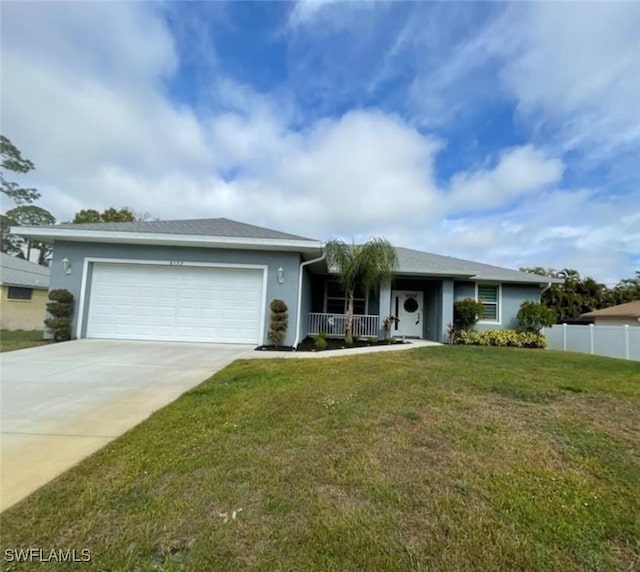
(519, 171)
(114, 41)
(82, 87)
(571, 68)
(558, 228)
(576, 67)
(306, 11)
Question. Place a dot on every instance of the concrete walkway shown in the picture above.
(412, 345)
(62, 402)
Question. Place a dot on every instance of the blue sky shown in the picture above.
(505, 133)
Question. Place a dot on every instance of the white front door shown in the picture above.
(407, 306)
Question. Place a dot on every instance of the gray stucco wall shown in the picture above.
(447, 299)
(76, 253)
(512, 296)
(306, 302)
(462, 290)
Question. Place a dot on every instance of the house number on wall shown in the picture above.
(175, 262)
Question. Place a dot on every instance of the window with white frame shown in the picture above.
(489, 295)
(336, 300)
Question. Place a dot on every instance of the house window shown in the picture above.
(336, 301)
(17, 293)
(490, 297)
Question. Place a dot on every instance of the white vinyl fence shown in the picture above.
(612, 341)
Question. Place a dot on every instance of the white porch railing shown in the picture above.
(334, 325)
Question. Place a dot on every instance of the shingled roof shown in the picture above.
(627, 310)
(422, 263)
(215, 230)
(18, 272)
(200, 227)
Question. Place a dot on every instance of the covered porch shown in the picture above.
(423, 306)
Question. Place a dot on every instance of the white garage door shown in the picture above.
(175, 303)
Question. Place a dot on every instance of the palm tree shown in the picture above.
(363, 267)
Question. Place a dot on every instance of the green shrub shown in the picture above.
(61, 308)
(61, 295)
(373, 339)
(391, 340)
(348, 340)
(60, 328)
(468, 338)
(320, 341)
(502, 338)
(279, 321)
(466, 313)
(532, 317)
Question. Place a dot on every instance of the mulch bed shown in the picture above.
(307, 345)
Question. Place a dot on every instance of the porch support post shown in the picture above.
(446, 310)
(385, 305)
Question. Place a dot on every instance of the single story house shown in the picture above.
(621, 315)
(211, 280)
(23, 298)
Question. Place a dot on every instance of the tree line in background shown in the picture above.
(577, 295)
(25, 213)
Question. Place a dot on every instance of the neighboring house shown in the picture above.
(24, 294)
(621, 315)
(212, 280)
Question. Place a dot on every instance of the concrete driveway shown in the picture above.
(62, 402)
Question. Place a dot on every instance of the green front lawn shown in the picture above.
(20, 339)
(451, 458)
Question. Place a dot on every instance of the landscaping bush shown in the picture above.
(279, 321)
(453, 334)
(466, 313)
(348, 340)
(373, 339)
(467, 338)
(320, 341)
(501, 338)
(61, 308)
(61, 295)
(532, 317)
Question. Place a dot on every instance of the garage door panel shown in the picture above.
(133, 301)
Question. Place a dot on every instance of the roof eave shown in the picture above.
(165, 239)
(527, 279)
(617, 316)
(518, 280)
(18, 285)
(416, 272)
